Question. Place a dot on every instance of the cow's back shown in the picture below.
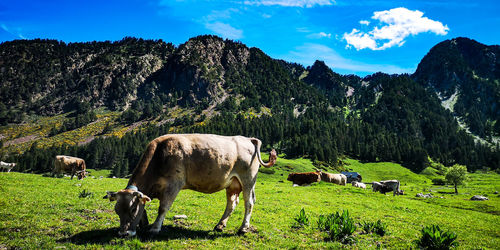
(205, 162)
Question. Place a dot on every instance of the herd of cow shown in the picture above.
(301, 179)
(202, 162)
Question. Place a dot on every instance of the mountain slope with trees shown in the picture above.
(466, 74)
(212, 85)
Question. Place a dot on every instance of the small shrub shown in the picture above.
(435, 238)
(84, 194)
(301, 220)
(339, 227)
(375, 227)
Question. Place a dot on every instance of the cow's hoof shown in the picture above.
(219, 228)
(243, 231)
(154, 231)
(127, 233)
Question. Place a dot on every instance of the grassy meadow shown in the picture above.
(45, 212)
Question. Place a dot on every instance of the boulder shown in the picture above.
(479, 198)
(424, 195)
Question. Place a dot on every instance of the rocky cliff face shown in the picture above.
(46, 76)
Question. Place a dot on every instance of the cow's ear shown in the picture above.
(145, 199)
(110, 195)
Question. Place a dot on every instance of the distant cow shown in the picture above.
(339, 179)
(387, 186)
(70, 164)
(358, 184)
(6, 166)
(304, 178)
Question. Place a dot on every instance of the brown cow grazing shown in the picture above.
(338, 179)
(387, 186)
(69, 164)
(358, 184)
(304, 178)
(201, 162)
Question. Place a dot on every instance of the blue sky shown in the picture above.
(352, 37)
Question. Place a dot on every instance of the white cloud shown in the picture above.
(364, 22)
(310, 52)
(290, 3)
(225, 30)
(396, 25)
(319, 35)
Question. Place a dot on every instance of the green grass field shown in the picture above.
(44, 212)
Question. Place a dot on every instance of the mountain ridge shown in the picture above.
(219, 83)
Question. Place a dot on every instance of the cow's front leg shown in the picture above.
(165, 204)
(232, 196)
(249, 197)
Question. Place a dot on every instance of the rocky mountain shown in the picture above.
(465, 74)
(226, 87)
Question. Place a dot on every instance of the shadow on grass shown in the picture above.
(106, 236)
(446, 192)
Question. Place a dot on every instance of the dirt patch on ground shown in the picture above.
(134, 126)
(20, 140)
(86, 140)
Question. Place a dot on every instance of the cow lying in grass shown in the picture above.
(201, 162)
(358, 184)
(304, 178)
(338, 179)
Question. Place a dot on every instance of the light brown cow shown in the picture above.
(202, 162)
(339, 179)
(69, 164)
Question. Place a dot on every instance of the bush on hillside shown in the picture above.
(301, 220)
(434, 237)
(375, 227)
(339, 227)
(439, 181)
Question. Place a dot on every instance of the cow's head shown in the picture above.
(81, 174)
(129, 207)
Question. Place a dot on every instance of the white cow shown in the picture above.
(6, 166)
(358, 184)
(201, 162)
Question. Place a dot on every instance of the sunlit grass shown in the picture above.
(45, 212)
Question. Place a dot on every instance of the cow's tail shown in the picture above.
(272, 155)
(143, 164)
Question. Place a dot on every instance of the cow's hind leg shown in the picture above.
(249, 196)
(232, 195)
(165, 204)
